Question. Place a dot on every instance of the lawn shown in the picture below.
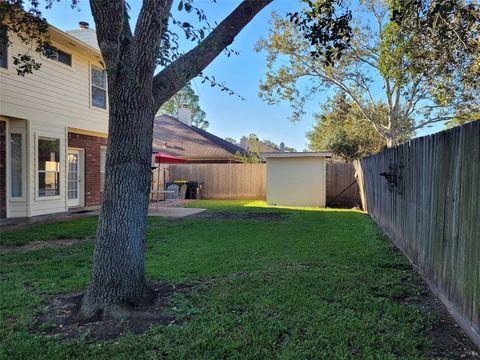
(319, 284)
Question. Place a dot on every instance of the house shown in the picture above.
(53, 126)
(178, 137)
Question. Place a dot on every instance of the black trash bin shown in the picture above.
(192, 187)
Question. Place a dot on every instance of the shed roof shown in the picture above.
(322, 154)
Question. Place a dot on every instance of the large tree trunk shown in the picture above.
(118, 276)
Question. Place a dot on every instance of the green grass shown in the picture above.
(318, 284)
(77, 229)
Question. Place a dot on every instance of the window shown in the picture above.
(3, 46)
(48, 167)
(16, 165)
(99, 88)
(53, 53)
(103, 157)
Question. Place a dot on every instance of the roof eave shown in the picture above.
(74, 41)
(325, 154)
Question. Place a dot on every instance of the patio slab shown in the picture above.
(173, 212)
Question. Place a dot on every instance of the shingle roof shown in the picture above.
(176, 138)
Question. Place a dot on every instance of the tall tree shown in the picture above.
(231, 140)
(135, 93)
(463, 118)
(251, 144)
(186, 96)
(271, 144)
(342, 129)
(374, 64)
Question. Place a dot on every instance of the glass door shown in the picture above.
(74, 178)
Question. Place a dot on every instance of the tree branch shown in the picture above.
(152, 23)
(111, 22)
(173, 77)
(432, 121)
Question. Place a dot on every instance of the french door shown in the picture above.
(74, 178)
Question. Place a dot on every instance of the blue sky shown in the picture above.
(228, 115)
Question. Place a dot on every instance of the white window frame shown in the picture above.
(6, 51)
(37, 172)
(24, 165)
(55, 60)
(91, 85)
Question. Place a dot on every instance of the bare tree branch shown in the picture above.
(173, 77)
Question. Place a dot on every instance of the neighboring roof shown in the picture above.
(324, 154)
(176, 138)
(88, 36)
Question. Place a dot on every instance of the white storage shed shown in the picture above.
(296, 178)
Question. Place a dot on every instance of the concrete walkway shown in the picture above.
(167, 209)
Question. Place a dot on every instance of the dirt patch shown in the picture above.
(37, 245)
(449, 340)
(59, 319)
(260, 216)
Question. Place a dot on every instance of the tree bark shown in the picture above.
(118, 275)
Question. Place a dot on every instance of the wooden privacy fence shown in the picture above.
(427, 200)
(224, 181)
(248, 181)
(342, 189)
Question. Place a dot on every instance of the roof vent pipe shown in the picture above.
(84, 25)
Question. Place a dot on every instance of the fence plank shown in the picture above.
(432, 212)
(224, 181)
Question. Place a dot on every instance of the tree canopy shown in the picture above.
(186, 96)
(255, 147)
(342, 129)
(377, 62)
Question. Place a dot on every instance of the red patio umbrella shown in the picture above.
(164, 158)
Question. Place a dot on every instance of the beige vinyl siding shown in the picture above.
(56, 94)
